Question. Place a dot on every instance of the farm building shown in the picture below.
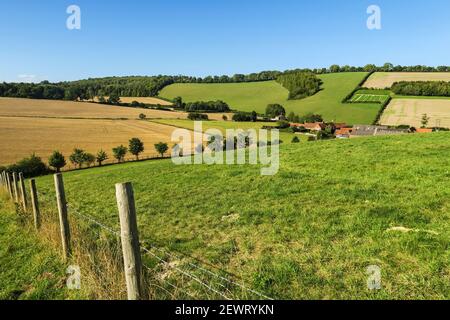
(316, 126)
(368, 130)
(424, 130)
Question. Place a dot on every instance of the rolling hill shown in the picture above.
(309, 232)
(257, 95)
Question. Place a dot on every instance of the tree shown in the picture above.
(224, 118)
(119, 153)
(335, 68)
(142, 116)
(161, 148)
(101, 157)
(178, 103)
(114, 98)
(57, 161)
(425, 120)
(77, 157)
(275, 110)
(136, 146)
(254, 116)
(89, 159)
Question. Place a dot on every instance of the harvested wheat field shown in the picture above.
(148, 100)
(71, 109)
(382, 80)
(410, 112)
(21, 136)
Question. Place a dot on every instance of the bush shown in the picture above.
(32, 166)
(242, 117)
(142, 116)
(195, 116)
(295, 140)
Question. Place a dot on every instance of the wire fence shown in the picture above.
(169, 274)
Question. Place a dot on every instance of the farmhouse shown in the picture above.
(343, 133)
(316, 126)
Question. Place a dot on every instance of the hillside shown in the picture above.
(308, 232)
(256, 95)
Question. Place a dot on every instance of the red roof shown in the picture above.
(343, 131)
(310, 126)
(424, 130)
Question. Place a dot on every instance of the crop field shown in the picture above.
(382, 80)
(257, 95)
(21, 137)
(410, 112)
(369, 98)
(148, 100)
(70, 109)
(309, 232)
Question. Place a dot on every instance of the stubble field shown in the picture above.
(382, 80)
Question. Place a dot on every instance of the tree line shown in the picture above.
(34, 166)
(422, 88)
(149, 86)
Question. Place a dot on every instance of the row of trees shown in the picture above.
(208, 106)
(80, 157)
(139, 86)
(422, 88)
(300, 84)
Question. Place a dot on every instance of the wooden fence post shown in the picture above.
(62, 210)
(35, 204)
(8, 178)
(130, 240)
(16, 189)
(23, 192)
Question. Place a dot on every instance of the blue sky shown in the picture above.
(200, 37)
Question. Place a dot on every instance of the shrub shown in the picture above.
(57, 161)
(243, 117)
(32, 166)
(142, 116)
(295, 139)
(195, 116)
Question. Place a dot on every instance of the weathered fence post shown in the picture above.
(8, 178)
(16, 189)
(130, 240)
(35, 204)
(23, 192)
(62, 210)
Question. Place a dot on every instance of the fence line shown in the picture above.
(7, 184)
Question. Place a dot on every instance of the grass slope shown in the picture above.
(256, 96)
(309, 232)
(28, 270)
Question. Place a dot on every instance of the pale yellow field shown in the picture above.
(382, 80)
(149, 100)
(410, 112)
(20, 137)
(70, 109)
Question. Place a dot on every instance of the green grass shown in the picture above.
(257, 95)
(308, 232)
(369, 98)
(28, 269)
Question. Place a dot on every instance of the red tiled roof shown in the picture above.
(424, 130)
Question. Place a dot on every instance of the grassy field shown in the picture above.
(382, 80)
(311, 231)
(410, 111)
(28, 269)
(21, 137)
(256, 96)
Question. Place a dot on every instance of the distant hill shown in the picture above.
(256, 96)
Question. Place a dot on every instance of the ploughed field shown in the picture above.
(309, 232)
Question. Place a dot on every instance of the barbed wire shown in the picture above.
(185, 273)
(215, 275)
(94, 221)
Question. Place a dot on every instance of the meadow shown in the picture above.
(257, 95)
(309, 232)
(410, 111)
(369, 98)
(382, 80)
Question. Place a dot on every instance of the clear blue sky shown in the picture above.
(202, 37)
